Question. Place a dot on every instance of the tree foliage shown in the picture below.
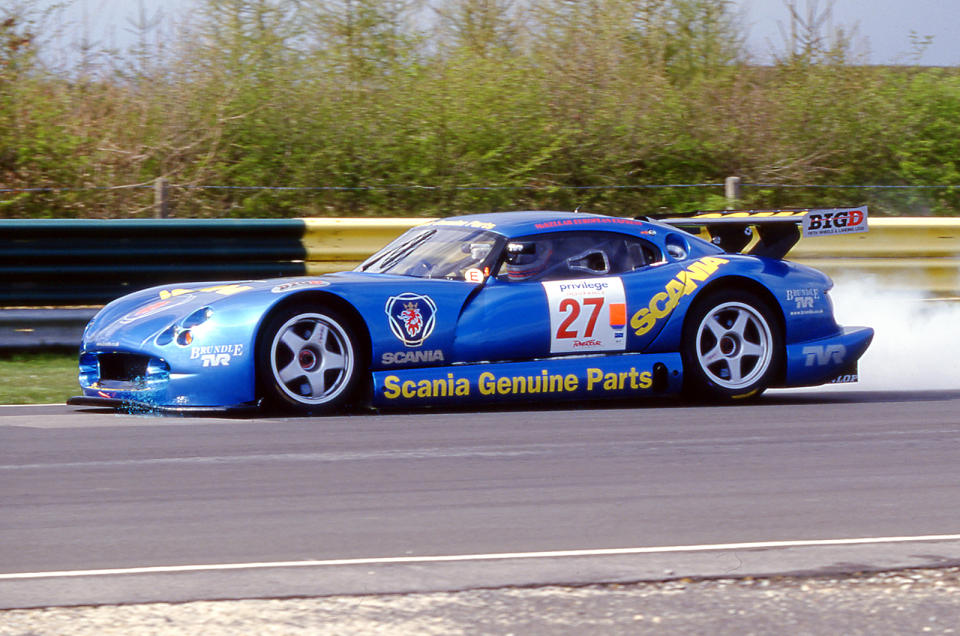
(426, 107)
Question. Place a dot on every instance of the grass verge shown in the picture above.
(37, 378)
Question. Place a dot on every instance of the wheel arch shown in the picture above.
(335, 302)
(742, 283)
(321, 298)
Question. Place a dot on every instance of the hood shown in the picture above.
(136, 318)
(160, 313)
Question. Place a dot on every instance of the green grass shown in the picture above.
(37, 378)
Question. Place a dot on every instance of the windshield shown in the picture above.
(438, 252)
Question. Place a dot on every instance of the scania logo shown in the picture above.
(412, 317)
(411, 357)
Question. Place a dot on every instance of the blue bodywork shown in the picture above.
(194, 346)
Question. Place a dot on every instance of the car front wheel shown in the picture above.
(308, 361)
(732, 346)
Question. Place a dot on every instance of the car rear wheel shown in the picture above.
(732, 346)
(308, 360)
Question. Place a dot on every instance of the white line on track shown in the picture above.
(717, 547)
(10, 406)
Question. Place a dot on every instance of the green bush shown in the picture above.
(375, 109)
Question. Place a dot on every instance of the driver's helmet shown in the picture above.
(525, 265)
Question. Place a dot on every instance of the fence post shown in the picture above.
(161, 199)
(731, 190)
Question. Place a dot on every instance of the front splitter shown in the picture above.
(134, 407)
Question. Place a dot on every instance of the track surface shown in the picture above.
(87, 490)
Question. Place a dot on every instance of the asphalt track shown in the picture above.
(105, 508)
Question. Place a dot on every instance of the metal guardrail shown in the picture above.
(85, 262)
(334, 245)
(63, 264)
(918, 254)
(907, 254)
(43, 328)
(54, 273)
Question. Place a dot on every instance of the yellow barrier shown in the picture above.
(920, 254)
(335, 245)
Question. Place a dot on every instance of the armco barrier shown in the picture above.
(89, 262)
(921, 255)
(333, 245)
(916, 254)
(42, 328)
(69, 267)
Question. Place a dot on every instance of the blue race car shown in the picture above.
(487, 308)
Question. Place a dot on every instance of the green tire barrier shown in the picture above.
(57, 262)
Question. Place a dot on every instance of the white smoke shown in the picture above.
(916, 345)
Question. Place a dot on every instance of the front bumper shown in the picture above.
(152, 382)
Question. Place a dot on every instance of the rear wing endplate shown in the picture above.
(777, 230)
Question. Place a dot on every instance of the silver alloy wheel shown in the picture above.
(312, 359)
(734, 345)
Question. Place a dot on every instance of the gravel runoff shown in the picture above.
(922, 601)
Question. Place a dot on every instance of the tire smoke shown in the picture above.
(916, 345)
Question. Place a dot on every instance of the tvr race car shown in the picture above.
(486, 308)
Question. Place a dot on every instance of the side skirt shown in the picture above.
(567, 378)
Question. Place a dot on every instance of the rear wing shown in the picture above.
(777, 230)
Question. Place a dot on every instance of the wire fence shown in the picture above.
(163, 198)
(413, 188)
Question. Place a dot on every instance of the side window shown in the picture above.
(640, 253)
(575, 255)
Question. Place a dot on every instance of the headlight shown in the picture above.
(181, 331)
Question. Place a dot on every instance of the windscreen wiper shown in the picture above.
(393, 256)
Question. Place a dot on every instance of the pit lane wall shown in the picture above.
(55, 273)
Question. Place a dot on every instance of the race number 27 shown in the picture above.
(572, 308)
(586, 315)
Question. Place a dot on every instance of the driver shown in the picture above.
(525, 265)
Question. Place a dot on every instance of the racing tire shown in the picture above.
(732, 347)
(308, 361)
